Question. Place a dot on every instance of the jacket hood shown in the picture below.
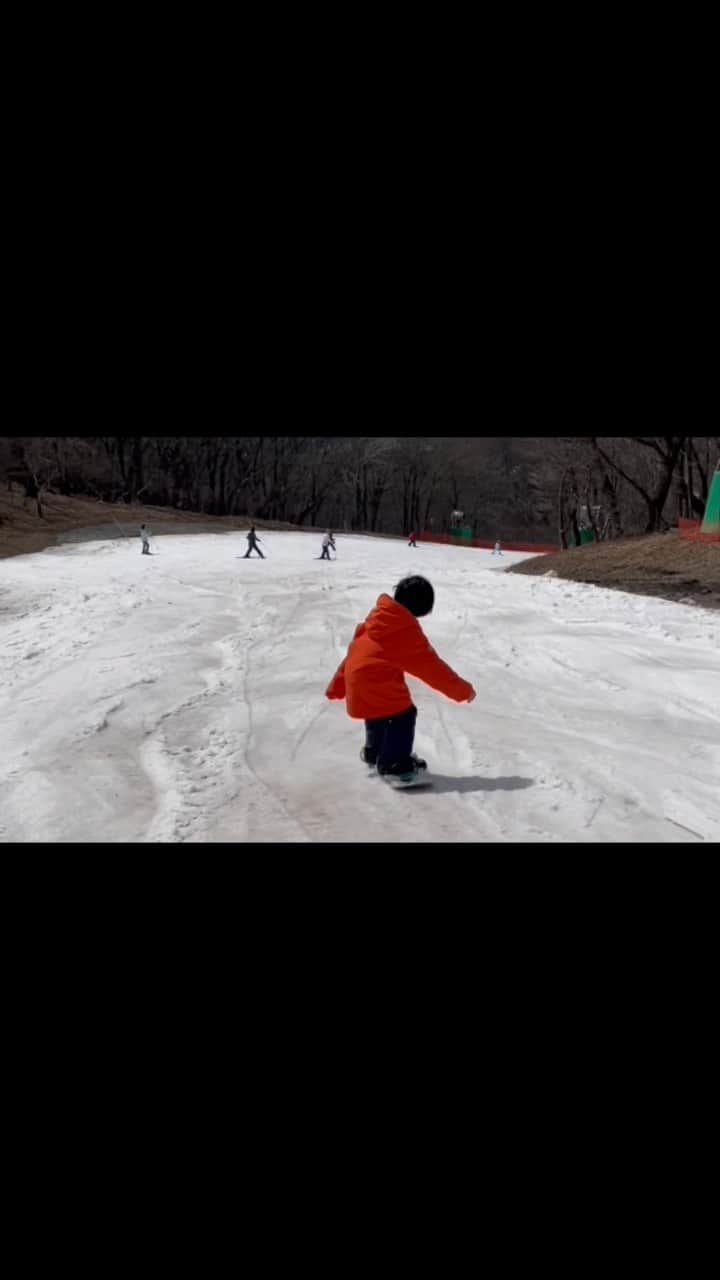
(388, 619)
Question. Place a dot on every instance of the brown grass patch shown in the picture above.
(23, 531)
(661, 564)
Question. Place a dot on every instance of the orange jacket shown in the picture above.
(389, 642)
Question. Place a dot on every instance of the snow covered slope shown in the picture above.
(179, 697)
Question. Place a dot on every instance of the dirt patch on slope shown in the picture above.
(23, 531)
(661, 564)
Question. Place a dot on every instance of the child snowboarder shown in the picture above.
(497, 549)
(327, 542)
(145, 535)
(413, 540)
(253, 540)
(388, 643)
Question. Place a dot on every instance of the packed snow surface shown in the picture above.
(180, 697)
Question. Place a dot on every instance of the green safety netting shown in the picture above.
(711, 523)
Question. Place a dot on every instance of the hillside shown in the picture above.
(180, 699)
(23, 531)
(661, 564)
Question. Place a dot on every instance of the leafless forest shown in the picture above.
(506, 487)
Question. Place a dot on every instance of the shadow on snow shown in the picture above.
(441, 782)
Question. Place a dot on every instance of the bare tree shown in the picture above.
(648, 465)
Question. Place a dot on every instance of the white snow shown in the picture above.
(180, 697)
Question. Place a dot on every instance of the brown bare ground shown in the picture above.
(661, 564)
(23, 531)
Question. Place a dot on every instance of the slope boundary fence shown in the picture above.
(692, 529)
(487, 544)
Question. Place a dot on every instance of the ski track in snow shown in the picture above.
(180, 698)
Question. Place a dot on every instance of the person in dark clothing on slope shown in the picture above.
(253, 544)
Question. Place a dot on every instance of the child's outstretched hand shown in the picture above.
(472, 696)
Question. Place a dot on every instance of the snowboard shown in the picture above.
(397, 784)
(422, 780)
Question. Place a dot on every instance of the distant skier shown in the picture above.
(145, 535)
(497, 549)
(328, 542)
(370, 678)
(253, 540)
(413, 540)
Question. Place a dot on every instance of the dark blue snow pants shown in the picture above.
(389, 741)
